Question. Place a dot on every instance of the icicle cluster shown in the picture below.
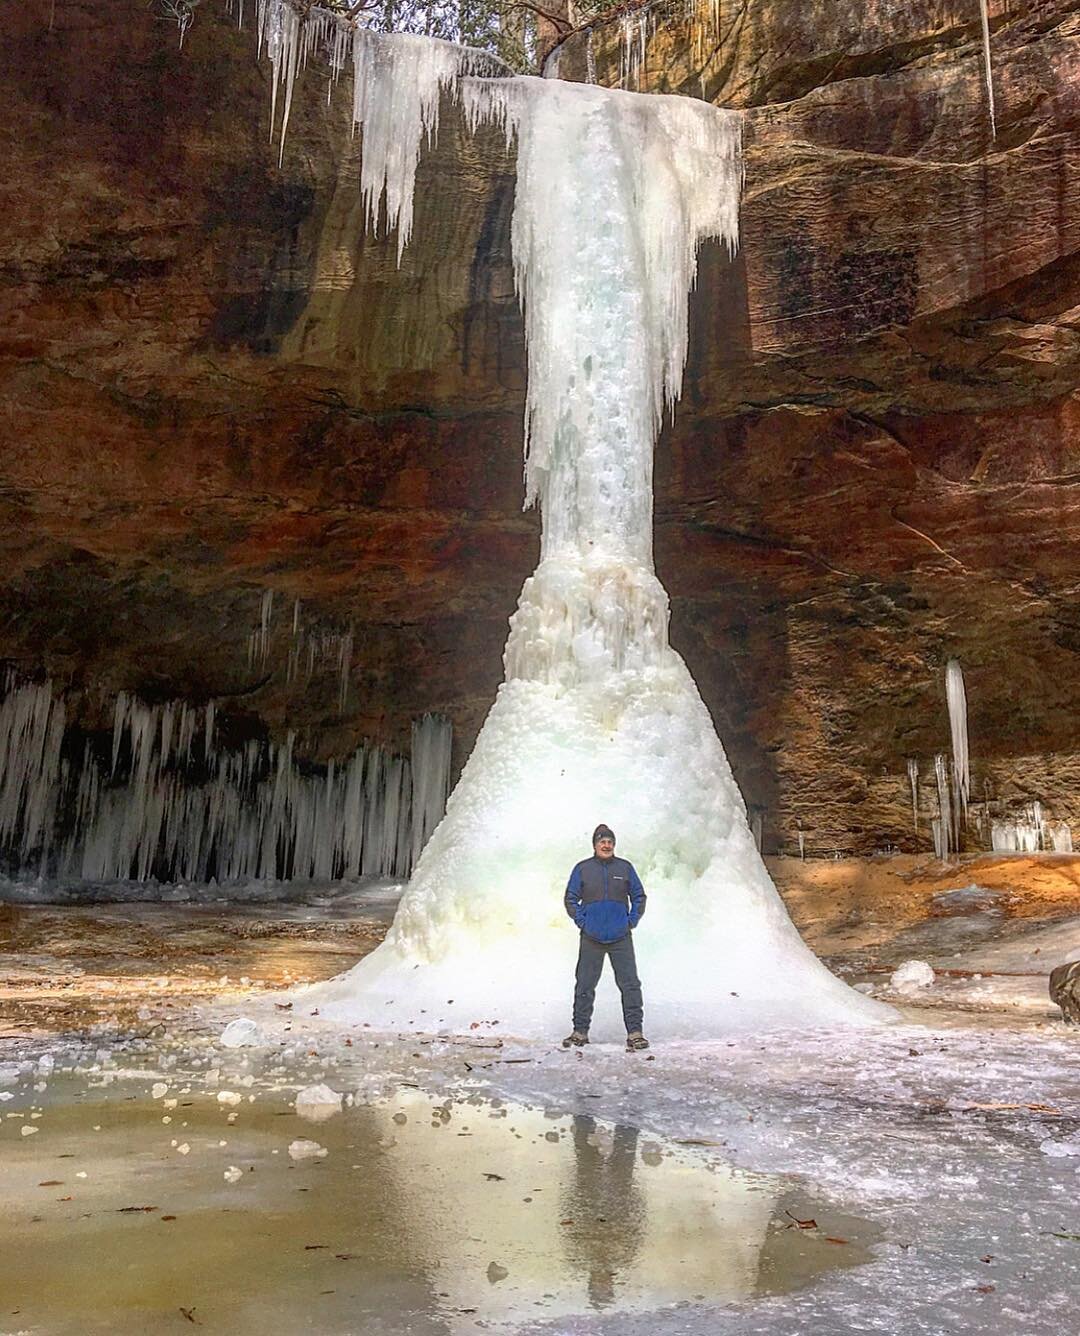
(635, 30)
(310, 648)
(31, 736)
(398, 79)
(432, 739)
(171, 804)
(1030, 832)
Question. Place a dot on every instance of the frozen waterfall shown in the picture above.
(598, 718)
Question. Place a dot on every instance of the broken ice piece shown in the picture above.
(303, 1149)
(911, 976)
(317, 1103)
(242, 1033)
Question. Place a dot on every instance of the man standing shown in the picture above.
(606, 899)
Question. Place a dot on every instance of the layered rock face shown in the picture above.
(214, 385)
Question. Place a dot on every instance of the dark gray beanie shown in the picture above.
(599, 833)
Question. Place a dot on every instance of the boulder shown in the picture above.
(1065, 991)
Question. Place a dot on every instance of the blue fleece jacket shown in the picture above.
(605, 898)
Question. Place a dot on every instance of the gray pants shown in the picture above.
(590, 966)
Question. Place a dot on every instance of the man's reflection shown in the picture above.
(603, 1208)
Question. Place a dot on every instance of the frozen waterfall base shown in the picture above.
(481, 942)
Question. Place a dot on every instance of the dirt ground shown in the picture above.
(65, 968)
(71, 968)
(850, 904)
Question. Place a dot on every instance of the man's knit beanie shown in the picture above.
(600, 832)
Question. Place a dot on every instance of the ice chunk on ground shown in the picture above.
(242, 1033)
(911, 976)
(303, 1149)
(1059, 1150)
(317, 1103)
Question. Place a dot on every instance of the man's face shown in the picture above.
(605, 847)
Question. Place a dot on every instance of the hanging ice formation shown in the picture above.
(172, 804)
(913, 783)
(941, 826)
(988, 69)
(1030, 832)
(598, 718)
(956, 700)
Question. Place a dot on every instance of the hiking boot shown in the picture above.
(576, 1040)
(636, 1042)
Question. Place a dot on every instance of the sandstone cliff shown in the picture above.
(213, 385)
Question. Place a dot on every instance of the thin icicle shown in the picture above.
(913, 782)
(988, 71)
(942, 823)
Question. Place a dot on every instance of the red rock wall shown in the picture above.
(213, 386)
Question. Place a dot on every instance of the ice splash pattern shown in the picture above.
(598, 717)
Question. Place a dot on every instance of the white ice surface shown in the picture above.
(954, 1141)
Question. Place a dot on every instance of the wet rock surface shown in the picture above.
(215, 385)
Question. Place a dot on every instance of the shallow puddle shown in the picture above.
(423, 1215)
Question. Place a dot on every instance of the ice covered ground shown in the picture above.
(949, 1143)
(951, 1150)
(320, 894)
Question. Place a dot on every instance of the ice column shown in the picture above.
(598, 718)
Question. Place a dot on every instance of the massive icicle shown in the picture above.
(598, 718)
